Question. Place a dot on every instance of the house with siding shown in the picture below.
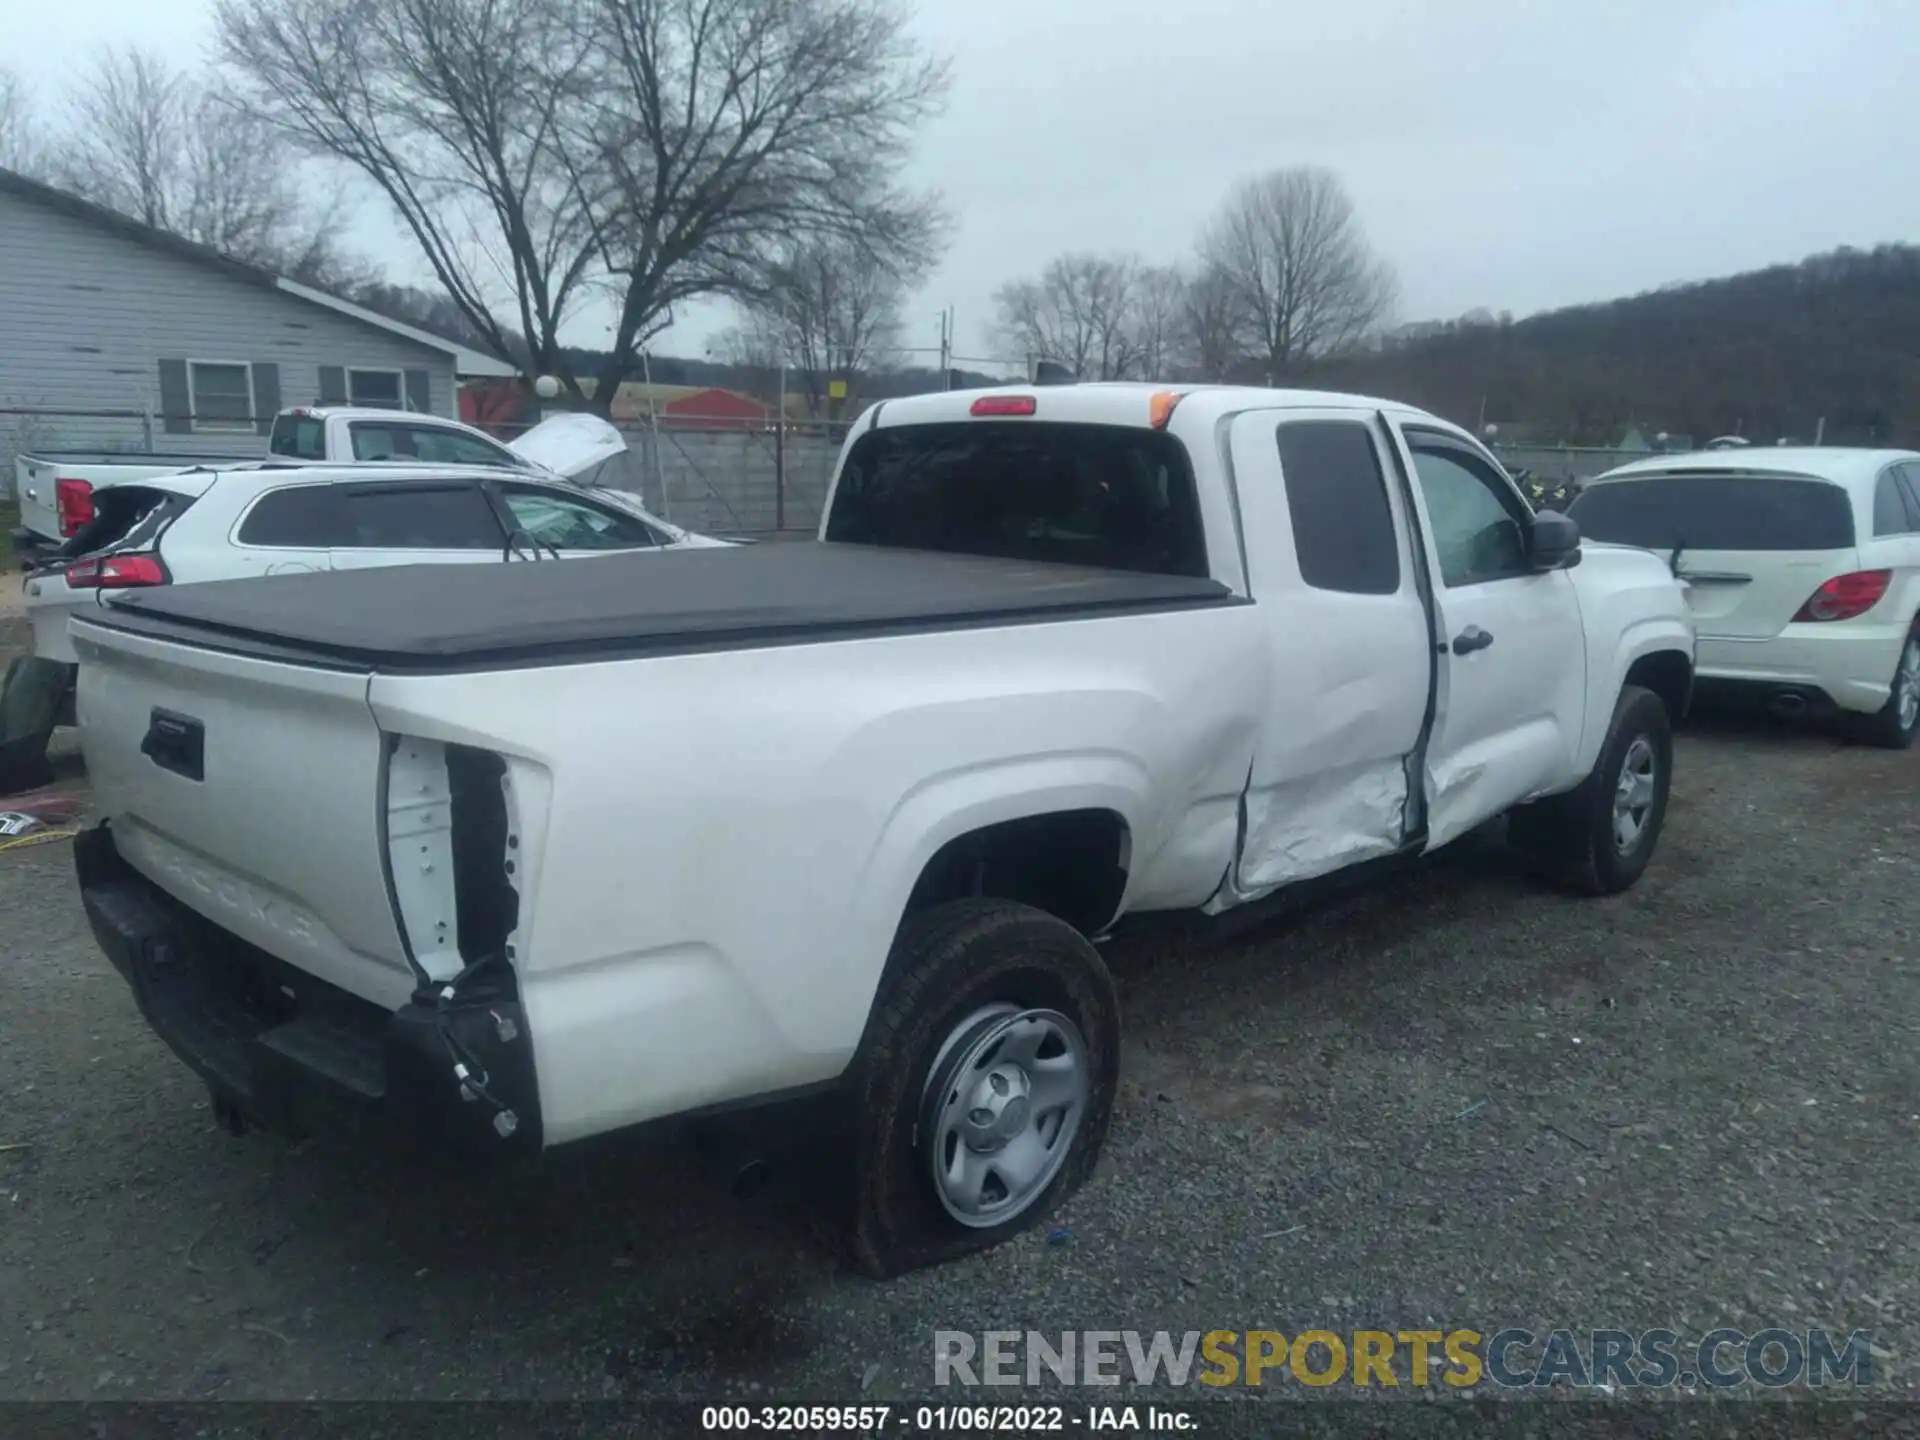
(116, 336)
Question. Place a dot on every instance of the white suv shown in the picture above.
(1802, 568)
(274, 520)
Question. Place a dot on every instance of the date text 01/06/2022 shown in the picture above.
(923, 1419)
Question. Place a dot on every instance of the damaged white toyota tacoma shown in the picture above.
(492, 859)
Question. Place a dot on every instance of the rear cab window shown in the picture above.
(1113, 497)
(300, 437)
(1717, 512)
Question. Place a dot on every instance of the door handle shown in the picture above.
(176, 742)
(1471, 639)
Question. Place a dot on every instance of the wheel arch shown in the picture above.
(1668, 674)
(1064, 848)
(1656, 652)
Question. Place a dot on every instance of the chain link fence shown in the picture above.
(718, 474)
(714, 474)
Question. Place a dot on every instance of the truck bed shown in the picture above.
(443, 618)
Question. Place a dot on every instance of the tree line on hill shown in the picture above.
(1768, 355)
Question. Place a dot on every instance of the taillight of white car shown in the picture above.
(117, 572)
(1845, 597)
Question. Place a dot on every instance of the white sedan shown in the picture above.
(1802, 568)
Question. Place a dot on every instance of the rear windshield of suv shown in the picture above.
(1717, 512)
(1111, 496)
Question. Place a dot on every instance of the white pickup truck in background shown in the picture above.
(493, 860)
(55, 489)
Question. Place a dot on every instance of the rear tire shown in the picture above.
(972, 988)
(33, 695)
(1597, 839)
(1894, 725)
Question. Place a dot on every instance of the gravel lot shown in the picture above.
(1456, 1100)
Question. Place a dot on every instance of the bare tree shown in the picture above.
(150, 141)
(646, 152)
(20, 142)
(1210, 341)
(833, 310)
(1078, 313)
(1158, 308)
(752, 348)
(1303, 279)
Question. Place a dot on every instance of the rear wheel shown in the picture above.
(985, 1084)
(1598, 838)
(33, 697)
(1894, 725)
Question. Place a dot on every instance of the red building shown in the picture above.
(714, 409)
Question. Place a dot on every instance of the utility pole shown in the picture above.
(780, 427)
(653, 436)
(946, 348)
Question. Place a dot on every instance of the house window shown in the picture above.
(376, 389)
(222, 396)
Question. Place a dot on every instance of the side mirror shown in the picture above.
(1555, 543)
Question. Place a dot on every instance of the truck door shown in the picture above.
(1331, 565)
(1512, 678)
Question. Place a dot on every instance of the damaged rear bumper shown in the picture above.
(298, 1056)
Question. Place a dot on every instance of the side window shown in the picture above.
(421, 517)
(382, 442)
(305, 517)
(1337, 496)
(1909, 477)
(432, 444)
(569, 524)
(1479, 524)
(1890, 515)
(450, 447)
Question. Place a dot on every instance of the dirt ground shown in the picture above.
(1458, 1100)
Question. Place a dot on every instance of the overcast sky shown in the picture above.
(1504, 154)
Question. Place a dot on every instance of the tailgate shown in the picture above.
(33, 490)
(1752, 545)
(1754, 594)
(251, 791)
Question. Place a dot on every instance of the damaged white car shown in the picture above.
(584, 846)
(225, 521)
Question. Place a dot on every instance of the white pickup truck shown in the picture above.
(55, 490)
(497, 859)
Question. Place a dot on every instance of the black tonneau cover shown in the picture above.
(488, 616)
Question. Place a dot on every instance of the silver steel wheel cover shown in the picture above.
(1633, 794)
(1003, 1102)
